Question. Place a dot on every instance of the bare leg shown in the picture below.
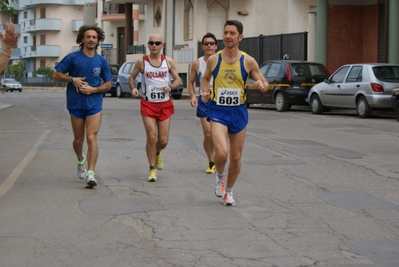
(151, 144)
(93, 124)
(207, 143)
(78, 127)
(236, 147)
(219, 139)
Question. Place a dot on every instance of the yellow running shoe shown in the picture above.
(210, 169)
(153, 176)
(159, 162)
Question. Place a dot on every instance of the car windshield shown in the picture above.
(387, 73)
(307, 69)
(11, 80)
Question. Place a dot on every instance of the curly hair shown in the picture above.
(81, 34)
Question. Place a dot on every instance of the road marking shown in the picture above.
(8, 183)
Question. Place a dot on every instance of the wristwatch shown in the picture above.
(70, 79)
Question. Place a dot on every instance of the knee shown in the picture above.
(91, 139)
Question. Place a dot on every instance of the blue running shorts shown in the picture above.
(82, 113)
(202, 108)
(235, 118)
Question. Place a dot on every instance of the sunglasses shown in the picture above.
(154, 43)
(208, 43)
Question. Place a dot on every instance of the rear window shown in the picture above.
(302, 69)
(387, 73)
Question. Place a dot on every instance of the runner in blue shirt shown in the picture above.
(84, 70)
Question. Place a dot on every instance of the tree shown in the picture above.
(5, 6)
(47, 71)
(18, 69)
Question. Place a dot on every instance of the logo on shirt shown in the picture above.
(156, 74)
(227, 92)
(230, 77)
(96, 71)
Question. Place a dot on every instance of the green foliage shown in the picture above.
(46, 71)
(5, 6)
(17, 70)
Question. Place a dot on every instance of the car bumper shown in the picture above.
(379, 101)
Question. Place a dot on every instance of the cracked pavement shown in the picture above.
(313, 191)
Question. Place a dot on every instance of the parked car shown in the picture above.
(11, 84)
(395, 102)
(114, 72)
(364, 87)
(122, 86)
(290, 82)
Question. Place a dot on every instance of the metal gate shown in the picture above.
(264, 48)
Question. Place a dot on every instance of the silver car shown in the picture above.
(364, 87)
(11, 84)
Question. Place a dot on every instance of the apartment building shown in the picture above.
(48, 30)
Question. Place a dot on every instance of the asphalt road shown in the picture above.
(313, 191)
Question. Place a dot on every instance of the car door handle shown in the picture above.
(357, 85)
(339, 86)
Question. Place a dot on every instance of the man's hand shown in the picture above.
(193, 101)
(10, 38)
(261, 85)
(135, 92)
(79, 83)
(205, 96)
(86, 89)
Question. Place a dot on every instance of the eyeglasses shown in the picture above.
(208, 43)
(154, 43)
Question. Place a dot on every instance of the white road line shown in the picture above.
(8, 183)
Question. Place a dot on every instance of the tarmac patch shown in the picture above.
(353, 200)
(119, 206)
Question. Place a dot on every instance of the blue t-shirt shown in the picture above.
(77, 64)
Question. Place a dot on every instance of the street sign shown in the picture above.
(106, 46)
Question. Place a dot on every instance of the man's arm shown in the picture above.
(175, 74)
(206, 78)
(192, 79)
(138, 67)
(253, 69)
(10, 39)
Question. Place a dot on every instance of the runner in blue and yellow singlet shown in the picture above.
(228, 113)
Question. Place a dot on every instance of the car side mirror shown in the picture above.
(327, 81)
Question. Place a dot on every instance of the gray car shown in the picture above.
(364, 87)
(11, 84)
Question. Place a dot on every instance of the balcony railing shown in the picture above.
(40, 51)
(34, 25)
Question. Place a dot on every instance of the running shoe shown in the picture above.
(159, 162)
(228, 199)
(82, 168)
(90, 180)
(153, 176)
(210, 169)
(218, 190)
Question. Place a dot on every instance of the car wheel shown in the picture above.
(396, 110)
(177, 96)
(20, 90)
(315, 105)
(280, 103)
(11, 90)
(248, 104)
(363, 108)
(119, 92)
(113, 94)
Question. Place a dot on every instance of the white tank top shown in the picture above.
(201, 71)
(153, 79)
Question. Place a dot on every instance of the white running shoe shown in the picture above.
(218, 190)
(228, 199)
(90, 180)
(82, 168)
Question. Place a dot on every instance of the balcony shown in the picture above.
(40, 51)
(35, 25)
(57, 2)
(76, 24)
(15, 54)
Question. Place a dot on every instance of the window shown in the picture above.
(42, 63)
(25, 39)
(25, 15)
(43, 13)
(274, 70)
(355, 74)
(339, 76)
(42, 39)
(158, 17)
(188, 20)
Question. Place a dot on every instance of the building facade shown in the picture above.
(339, 31)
